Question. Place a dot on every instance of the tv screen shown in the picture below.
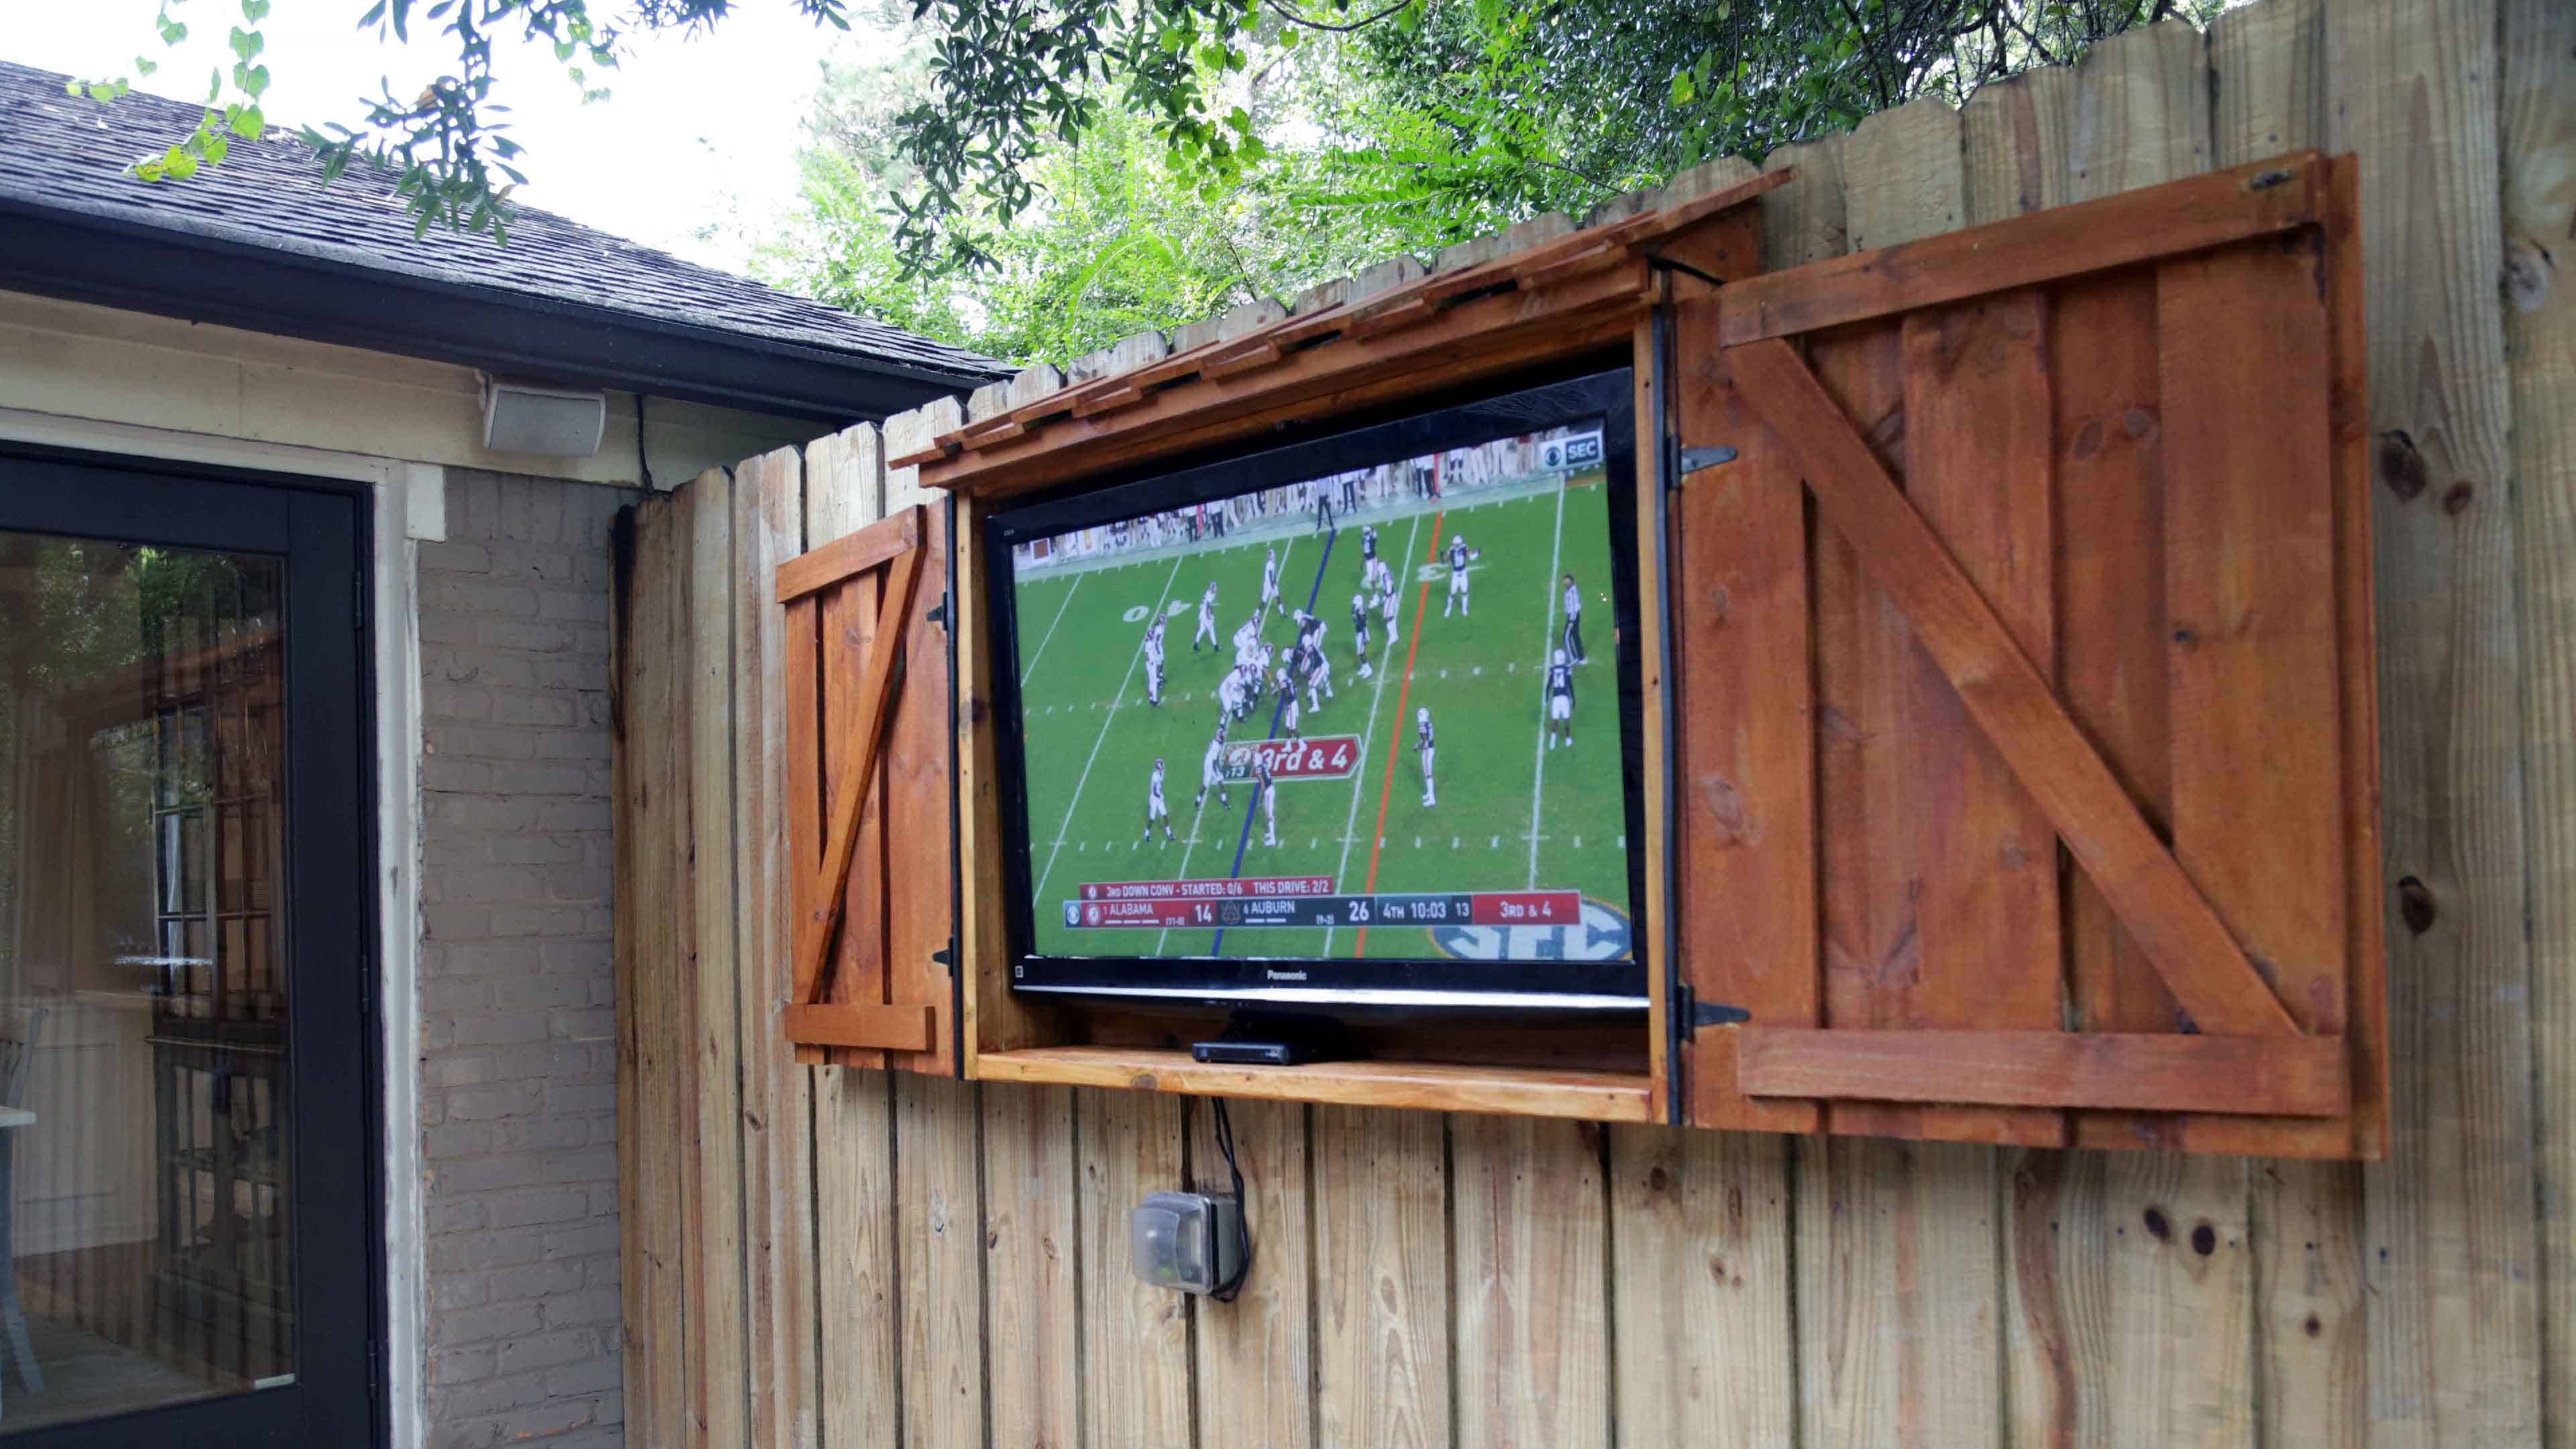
(1348, 721)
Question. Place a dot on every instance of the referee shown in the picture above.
(1574, 622)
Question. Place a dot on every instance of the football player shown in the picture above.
(1386, 599)
(1560, 701)
(1229, 696)
(1459, 554)
(1368, 548)
(1269, 577)
(1287, 704)
(1212, 770)
(1247, 638)
(1207, 619)
(1359, 632)
(1422, 749)
(1269, 789)
(1154, 663)
(1319, 668)
(1155, 809)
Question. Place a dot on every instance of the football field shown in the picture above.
(1511, 814)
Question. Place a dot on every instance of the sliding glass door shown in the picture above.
(187, 1180)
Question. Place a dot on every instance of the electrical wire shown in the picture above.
(1225, 1292)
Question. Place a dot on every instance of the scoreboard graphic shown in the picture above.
(1325, 757)
(1308, 901)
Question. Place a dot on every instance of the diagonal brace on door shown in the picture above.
(2174, 925)
(893, 544)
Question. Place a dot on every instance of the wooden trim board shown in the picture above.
(2204, 211)
(1531, 1092)
(2257, 1075)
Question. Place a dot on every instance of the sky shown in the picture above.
(698, 129)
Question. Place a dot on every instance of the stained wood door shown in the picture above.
(2027, 769)
(870, 805)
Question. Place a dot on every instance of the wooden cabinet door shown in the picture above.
(2027, 760)
(870, 796)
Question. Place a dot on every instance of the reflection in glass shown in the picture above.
(143, 1152)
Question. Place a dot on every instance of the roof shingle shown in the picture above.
(71, 153)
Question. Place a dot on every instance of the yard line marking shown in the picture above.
(1359, 778)
(1038, 891)
(1546, 620)
(1031, 667)
(1421, 607)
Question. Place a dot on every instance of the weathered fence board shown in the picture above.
(2539, 217)
(2451, 1251)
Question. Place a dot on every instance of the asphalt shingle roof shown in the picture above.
(71, 153)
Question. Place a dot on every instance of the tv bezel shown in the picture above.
(1358, 985)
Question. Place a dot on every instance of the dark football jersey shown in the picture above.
(1560, 679)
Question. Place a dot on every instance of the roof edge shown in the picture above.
(78, 255)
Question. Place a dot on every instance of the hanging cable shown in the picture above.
(1225, 1291)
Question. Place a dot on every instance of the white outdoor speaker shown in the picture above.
(523, 417)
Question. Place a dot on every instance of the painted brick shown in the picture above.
(518, 1084)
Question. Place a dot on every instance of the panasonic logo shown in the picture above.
(1285, 975)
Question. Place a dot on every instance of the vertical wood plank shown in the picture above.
(2452, 1252)
(1533, 1330)
(2268, 77)
(1898, 1321)
(2313, 1322)
(2111, 672)
(2539, 157)
(654, 1112)
(2249, 587)
(2131, 1302)
(1978, 452)
(716, 1042)
(939, 1207)
(919, 895)
(1747, 766)
(1136, 1369)
(939, 1247)
(1255, 1356)
(1382, 1306)
(2122, 1329)
(856, 1256)
(1700, 1228)
(1709, 1356)
(1032, 1307)
(1898, 1324)
(849, 617)
(778, 1113)
(857, 1284)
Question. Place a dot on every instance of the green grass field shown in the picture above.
(1511, 815)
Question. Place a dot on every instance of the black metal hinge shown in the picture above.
(1690, 1013)
(1699, 460)
(947, 955)
(938, 612)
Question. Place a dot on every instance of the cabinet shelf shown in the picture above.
(1427, 1086)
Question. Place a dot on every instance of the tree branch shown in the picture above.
(1293, 18)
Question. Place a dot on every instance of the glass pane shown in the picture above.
(143, 1143)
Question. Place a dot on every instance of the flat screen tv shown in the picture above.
(1348, 720)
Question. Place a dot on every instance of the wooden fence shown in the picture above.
(838, 1257)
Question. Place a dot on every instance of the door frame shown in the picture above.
(406, 507)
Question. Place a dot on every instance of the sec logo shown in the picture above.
(1602, 935)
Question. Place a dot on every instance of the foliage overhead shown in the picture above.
(1170, 135)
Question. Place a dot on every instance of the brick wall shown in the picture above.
(518, 1053)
